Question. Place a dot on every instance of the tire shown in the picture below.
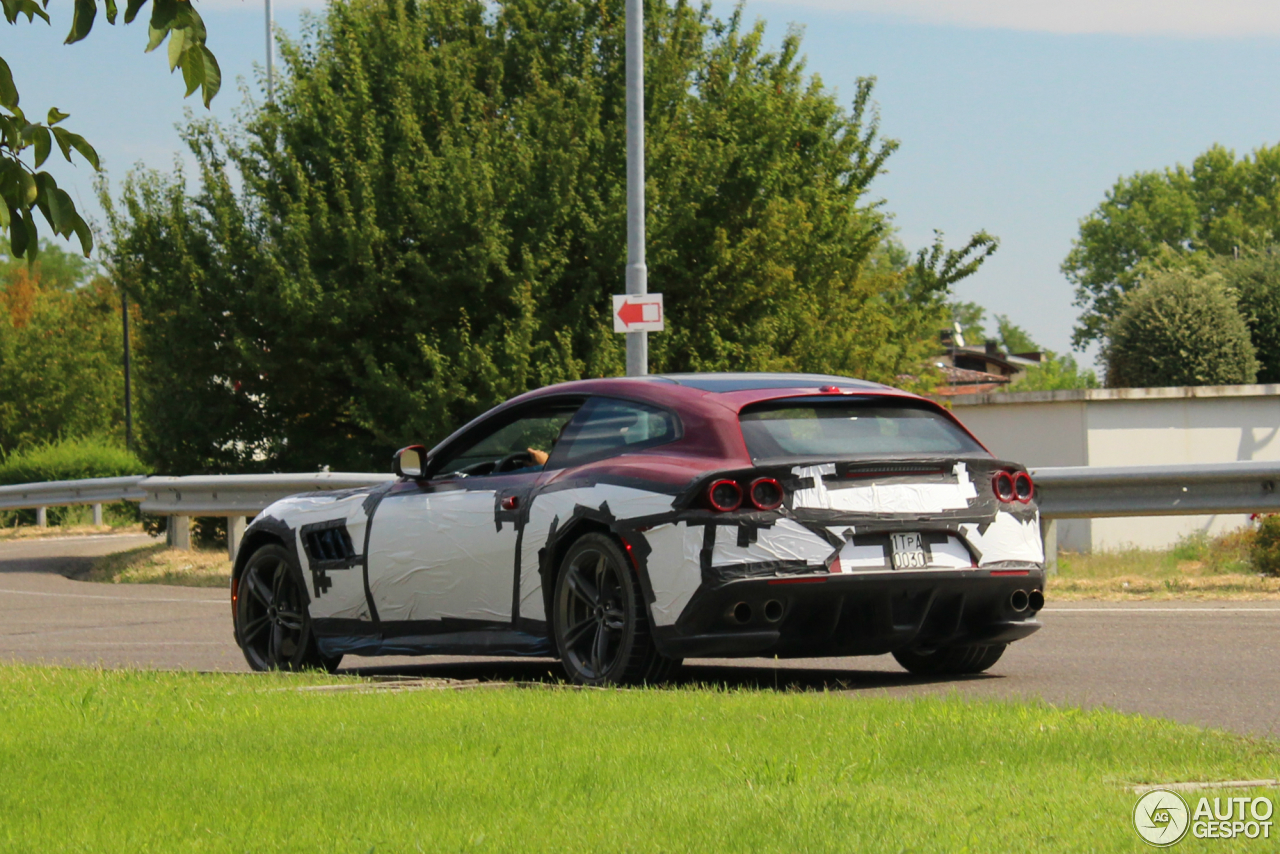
(272, 622)
(951, 660)
(599, 619)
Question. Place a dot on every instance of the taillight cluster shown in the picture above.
(1013, 486)
(764, 493)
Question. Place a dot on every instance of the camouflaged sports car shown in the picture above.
(625, 524)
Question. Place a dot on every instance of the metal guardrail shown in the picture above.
(1085, 492)
(242, 494)
(237, 496)
(64, 493)
(1081, 492)
(234, 496)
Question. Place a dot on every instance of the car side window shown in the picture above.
(605, 427)
(518, 445)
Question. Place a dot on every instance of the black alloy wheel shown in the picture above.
(955, 660)
(600, 621)
(272, 624)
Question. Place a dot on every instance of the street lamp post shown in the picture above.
(271, 93)
(128, 393)
(637, 273)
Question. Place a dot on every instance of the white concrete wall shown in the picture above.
(1129, 427)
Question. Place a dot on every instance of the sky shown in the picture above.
(1014, 117)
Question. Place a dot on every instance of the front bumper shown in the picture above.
(853, 614)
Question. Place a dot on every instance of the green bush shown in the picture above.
(1193, 546)
(1178, 329)
(1266, 546)
(1054, 373)
(70, 459)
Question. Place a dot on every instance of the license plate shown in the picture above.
(908, 551)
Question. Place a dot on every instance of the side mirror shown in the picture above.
(411, 461)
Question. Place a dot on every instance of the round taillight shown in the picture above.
(1023, 488)
(766, 493)
(1002, 483)
(725, 495)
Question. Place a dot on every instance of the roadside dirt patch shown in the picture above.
(159, 564)
(31, 532)
(1136, 587)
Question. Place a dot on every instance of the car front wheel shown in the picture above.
(951, 660)
(272, 625)
(600, 621)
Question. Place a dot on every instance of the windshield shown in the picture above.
(785, 430)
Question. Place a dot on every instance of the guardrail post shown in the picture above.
(97, 515)
(42, 517)
(1049, 528)
(178, 532)
(235, 532)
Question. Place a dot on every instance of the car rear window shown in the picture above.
(805, 428)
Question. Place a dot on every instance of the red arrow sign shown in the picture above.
(638, 313)
(631, 312)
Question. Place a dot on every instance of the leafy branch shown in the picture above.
(937, 268)
(23, 189)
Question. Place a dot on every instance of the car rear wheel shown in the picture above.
(600, 622)
(272, 624)
(951, 660)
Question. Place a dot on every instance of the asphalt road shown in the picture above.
(1215, 664)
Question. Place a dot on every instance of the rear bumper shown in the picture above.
(852, 614)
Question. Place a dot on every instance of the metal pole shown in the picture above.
(128, 398)
(271, 88)
(1049, 529)
(637, 273)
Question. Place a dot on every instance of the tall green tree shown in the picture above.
(1219, 205)
(431, 219)
(24, 187)
(60, 354)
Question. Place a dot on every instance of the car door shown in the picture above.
(442, 553)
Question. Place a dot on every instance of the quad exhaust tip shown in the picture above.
(741, 613)
(773, 610)
(1019, 600)
(1036, 600)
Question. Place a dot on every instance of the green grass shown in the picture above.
(149, 761)
(1197, 554)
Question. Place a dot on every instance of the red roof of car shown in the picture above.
(709, 403)
(731, 390)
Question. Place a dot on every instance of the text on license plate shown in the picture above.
(908, 551)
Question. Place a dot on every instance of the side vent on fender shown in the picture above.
(328, 545)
